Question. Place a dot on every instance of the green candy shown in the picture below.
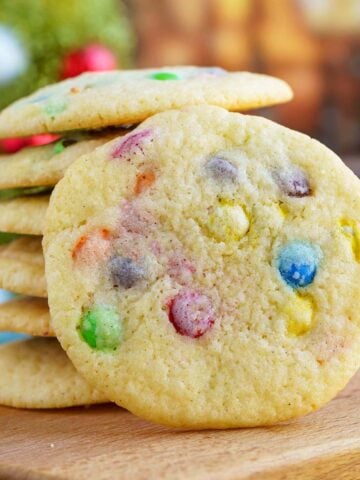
(59, 147)
(8, 237)
(54, 106)
(101, 328)
(20, 192)
(164, 76)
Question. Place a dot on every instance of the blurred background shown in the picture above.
(313, 44)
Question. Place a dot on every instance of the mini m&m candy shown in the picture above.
(298, 262)
(125, 272)
(100, 327)
(191, 313)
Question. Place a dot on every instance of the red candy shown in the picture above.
(93, 58)
(44, 139)
(130, 143)
(12, 145)
(191, 313)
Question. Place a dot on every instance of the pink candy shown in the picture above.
(181, 269)
(135, 220)
(191, 313)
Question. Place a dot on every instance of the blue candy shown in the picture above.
(40, 98)
(6, 337)
(216, 71)
(298, 263)
(4, 295)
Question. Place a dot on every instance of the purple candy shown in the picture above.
(293, 182)
(221, 169)
(130, 143)
(125, 272)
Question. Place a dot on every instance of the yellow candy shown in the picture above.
(300, 315)
(351, 230)
(283, 210)
(228, 223)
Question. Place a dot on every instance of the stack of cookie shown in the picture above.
(27, 179)
(201, 270)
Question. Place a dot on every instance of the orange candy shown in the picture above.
(93, 247)
(144, 181)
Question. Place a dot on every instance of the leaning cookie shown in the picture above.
(97, 100)
(203, 273)
(36, 373)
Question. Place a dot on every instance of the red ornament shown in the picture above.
(93, 58)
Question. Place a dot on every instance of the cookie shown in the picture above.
(28, 315)
(22, 267)
(25, 215)
(97, 100)
(46, 164)
(36, 373)
(203, 270)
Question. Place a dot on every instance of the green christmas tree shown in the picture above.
(37, 36)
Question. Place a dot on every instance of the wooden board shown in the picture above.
(108, 443)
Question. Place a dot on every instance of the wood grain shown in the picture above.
(106, 442)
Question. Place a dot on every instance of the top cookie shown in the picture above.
(97, 100)
(203, 270)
